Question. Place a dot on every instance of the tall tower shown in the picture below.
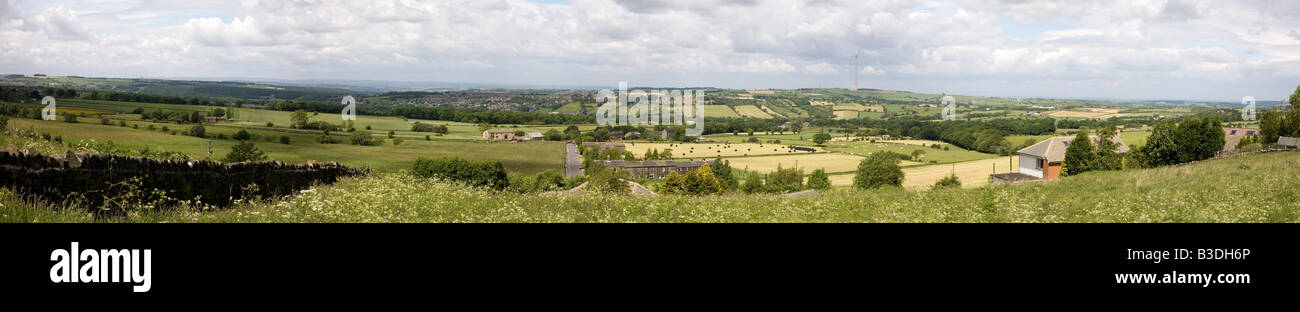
(855, 71)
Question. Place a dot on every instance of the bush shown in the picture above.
(721, 170)
(947, 182)
(553, 135)
(877, 170)
(397, 141)
(547, 180)
(197, 131)
(818, 180)
(363, 138)
(785, 180)
(476, 173)
(69, 118)
(244, 151)
(700, 181)
(753, 184)
(243, 135)
(284, 139)
(602, 179)
(325, 139)
(270, 125)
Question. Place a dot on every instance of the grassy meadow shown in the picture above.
(461, 141)
(1242, 188)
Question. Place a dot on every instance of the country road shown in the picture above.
(571, 162)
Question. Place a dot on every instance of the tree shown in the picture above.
(284, 139)
(878, 170)
(916, 154)
(299, 119)
(722, 170)
(243, 135)
(950, 181)
(553, 135)
(197, 131)
(1079, 155)
(363, 138)
(244, 151)
(821, 137)
(1162, 146)
(818, 180)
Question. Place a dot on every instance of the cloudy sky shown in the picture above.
(1159, 49)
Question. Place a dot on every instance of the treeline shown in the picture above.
(440, 113)
(987, 136)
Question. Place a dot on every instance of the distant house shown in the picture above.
(605, 145)
(533, 136)
(1043, 160)
(499, 135)
(211, 119)
(654, 168)
(1232, 136)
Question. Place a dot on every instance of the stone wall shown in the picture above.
(55, 178)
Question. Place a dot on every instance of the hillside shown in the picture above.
(1244, 188)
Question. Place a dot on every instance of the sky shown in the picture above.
(1132, 49)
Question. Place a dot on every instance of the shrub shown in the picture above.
(397, 141)
(284, 139)
(547, 180)
(818, 180)
(785, 180)
(477, 173)
(877, 170)
(364, 138)
(553, 135)
(197, 131)
(602, 179)
(753, 184)
(243, 135)
(947, 182)
(270, 125)
(244, 151)
(325, 139)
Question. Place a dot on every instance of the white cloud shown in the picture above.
(821, 68)
(868, 70)
(1061, 48)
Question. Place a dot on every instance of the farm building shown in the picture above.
(1043, 160)
(606, 145)
(1231, 136)
(532, 136)
(1288, 142)
(499, 135)
(654, 168)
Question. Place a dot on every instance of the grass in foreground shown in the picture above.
(1244, 188)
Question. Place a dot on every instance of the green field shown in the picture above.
(719, 111)
(524, 157)
(752, 111)
(1262, 188)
